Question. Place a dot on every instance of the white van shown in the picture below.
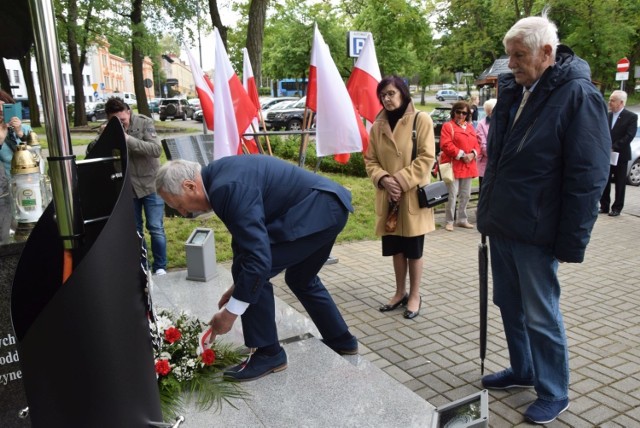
(127, 97)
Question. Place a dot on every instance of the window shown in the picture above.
(16, 76)
(88, 80)
(64, 78)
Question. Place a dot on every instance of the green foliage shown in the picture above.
(289, 36)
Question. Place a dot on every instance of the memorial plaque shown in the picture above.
(195, 148)
(12, 395)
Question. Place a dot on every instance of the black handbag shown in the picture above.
(432, 194)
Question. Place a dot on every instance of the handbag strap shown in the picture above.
(414, 139)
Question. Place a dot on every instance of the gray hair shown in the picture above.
(534, 32)
(621, 95)
(172, 174)
(490, 104)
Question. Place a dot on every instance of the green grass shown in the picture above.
(359, 227)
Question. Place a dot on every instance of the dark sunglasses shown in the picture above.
(462, 112)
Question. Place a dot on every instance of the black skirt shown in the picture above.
(411, 247)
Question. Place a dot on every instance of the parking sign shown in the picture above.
(355, 42)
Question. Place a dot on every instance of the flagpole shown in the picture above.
(305, 137)
(266, 136)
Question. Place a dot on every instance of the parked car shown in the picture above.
(633, 169)
(195, 103)
(289, 118)
(95, 111)
(439, 116)
(154, 105)
(449, 94)
(268, 102)
(275, 107)
(175, 108)
(198, 115)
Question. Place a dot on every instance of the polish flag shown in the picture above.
(204, 88)
(363, 82)
(249, 84)
(234, 109)
(339, 130)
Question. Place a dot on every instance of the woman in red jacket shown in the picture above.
(459, 145)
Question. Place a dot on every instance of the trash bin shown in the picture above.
(201, 255)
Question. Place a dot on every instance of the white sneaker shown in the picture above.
(160, 272)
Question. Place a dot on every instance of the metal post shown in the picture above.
(62, 167)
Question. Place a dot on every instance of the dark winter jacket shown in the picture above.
(546, 175)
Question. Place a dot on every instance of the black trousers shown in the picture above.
(617, 176)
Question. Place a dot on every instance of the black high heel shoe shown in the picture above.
(387, 308)
(411, 315)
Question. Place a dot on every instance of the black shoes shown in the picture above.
(603, 211)
(411, 315)
(387, 308)
(614, 213)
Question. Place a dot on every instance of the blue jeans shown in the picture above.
(154, 214)
(527, 291)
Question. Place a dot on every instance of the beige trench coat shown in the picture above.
(389, 153)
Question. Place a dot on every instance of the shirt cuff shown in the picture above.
(236, 307)
(460, 154)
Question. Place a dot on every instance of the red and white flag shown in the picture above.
(339, 130)
(204, 88)
(234, 109)
(363, 82)
(249, 83)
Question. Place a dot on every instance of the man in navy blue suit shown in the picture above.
(280, 217)
(623, 125)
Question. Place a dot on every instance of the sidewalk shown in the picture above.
(437, 356)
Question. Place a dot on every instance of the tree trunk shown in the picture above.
(255, 36)
(79, 112)
(217, 22)
(34, 110)
(137, 58)
(5, 83)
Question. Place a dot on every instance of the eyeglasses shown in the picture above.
(389, 94)
(462, 112)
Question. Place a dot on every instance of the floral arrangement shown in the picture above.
(186, 369)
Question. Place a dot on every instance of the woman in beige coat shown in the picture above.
(396, 177)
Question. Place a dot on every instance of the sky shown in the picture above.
(207, 41)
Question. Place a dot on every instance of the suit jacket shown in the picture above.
(264, 201)
(623, 133)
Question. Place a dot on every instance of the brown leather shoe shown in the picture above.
(466, 225)
(449, 227)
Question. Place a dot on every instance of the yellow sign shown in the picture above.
(95, 86)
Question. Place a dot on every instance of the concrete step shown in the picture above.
(318, 388)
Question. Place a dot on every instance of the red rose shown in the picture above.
(172, 335)
(162, 367)
(208, 357)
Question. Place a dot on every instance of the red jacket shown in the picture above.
(454, 138)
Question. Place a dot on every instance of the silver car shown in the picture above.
(633, 169)
(449, 94)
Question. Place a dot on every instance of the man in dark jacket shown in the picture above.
(548, 164)
(144, 160)
(280, 217)
(623, 124)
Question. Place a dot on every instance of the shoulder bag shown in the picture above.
(446, 168)
(433, 193)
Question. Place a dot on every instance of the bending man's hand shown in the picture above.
(222, 322)
(224, 299)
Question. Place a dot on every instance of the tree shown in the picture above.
(257, 19)
(217, 21)
(78, 25)
(586, 26)
(289, 35)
